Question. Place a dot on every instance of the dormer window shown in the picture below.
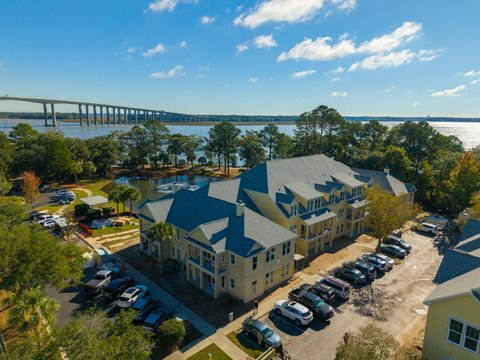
(318, 203)
(354, 192)
(342, 195)
(294, 210)
(310, 205)
(331, 199)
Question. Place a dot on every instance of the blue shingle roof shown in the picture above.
(455, 263)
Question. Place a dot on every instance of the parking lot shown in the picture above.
(393, 301)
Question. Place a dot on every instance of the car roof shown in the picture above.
(258, 324)
(311, 296)
(142, 302)
(297, 306)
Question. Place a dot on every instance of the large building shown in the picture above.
(453, 322)
(243, 236)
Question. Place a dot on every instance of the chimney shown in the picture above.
(386, 171)
(174, 188)
(240, 208)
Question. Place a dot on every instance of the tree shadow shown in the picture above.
(444, 241)
(372, 302)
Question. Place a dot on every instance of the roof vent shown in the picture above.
(240, 208)
(386, 171)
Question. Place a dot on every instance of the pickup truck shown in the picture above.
(313, 302)
(101, 280)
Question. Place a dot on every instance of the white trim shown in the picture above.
(462, 336)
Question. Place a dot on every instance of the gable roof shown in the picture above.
(455, 263)
(303, 190)
(470, 238)
(386, 181)
(468, 283)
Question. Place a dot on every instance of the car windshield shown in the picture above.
(267, 332)
(319, 303)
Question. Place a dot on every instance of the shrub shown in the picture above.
(172, 332)
(107, 210)
(81, 209)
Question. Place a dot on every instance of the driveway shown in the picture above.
(394, 302)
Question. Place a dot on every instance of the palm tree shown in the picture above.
(123, 190)
(161, 233)
(114, 196)
(32, 310)
(133, 195)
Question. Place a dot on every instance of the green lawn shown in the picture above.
(213, 350)
(244, 343)
(114, 229)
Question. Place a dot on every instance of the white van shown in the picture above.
(428, 228)
(341, 288)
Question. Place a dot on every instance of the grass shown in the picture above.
(212, 349)
(114, 229)
(244, 343)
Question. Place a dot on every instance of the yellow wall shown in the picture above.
(436, 346)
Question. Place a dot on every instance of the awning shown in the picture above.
(318, 216)
(298, 257)
(94, 200)
(357, 203)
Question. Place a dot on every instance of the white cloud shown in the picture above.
(279, 11)
(428, 55)
(334, 80)
(400, 36)
(390, 88)
(339, 94)
(166, 5)
(159, 49)
(472, 73)
(415, 104)
(131, 50)
(264, 41)
(389, 60)
(457, 91)
(302, 74)
(207, 20)
(319, 50)
(174, 72)
(346, 5)
(338, 70)
(474, 82)
(242, 47)
(253, 80)
(182, 44)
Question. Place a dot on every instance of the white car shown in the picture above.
(49, 224)
(48, 219)
(294, 311)
(132, 294)
(385, 258)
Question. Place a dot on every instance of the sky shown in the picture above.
(270, 57)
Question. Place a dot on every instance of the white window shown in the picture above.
(286, 248)
(464, 335)
(293, 228)
(254, 263)
(318, 203)
(294, 210)
(285, 270)
(342, 195)
(341, 212)
(270, 255)
(254, 287)
(222, 259)
(232, 259)
(223, 281)
(232, 283)
(331, 199)
(269, 278)
(177, 233)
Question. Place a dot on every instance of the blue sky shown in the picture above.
(409, 57)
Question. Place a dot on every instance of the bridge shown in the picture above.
(103, 114)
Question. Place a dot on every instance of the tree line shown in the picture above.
(445, 175)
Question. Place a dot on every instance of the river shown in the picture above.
(467, 132)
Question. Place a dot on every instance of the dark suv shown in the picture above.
(394, 240)
(314, 303)
(325, 292)
(117, 287)
(261, 333)
(351, 275)
(366, 269)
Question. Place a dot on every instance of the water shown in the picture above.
(467, 132)
(151, 188)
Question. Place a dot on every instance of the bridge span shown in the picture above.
(103, 114)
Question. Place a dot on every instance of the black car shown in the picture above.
(325, 292)
(153, 321)
(321, 310)
(394, 240)
(117, 287)
(393, 250)
(351, 275)
(366, 269)
(143, 307)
